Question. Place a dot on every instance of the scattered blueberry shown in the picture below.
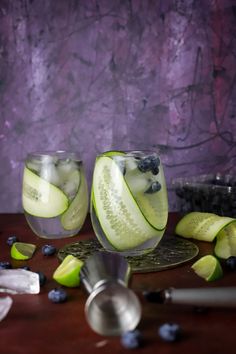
(48, 250)
(42, 278)
(5, 265)
(57, 295)
(132, 339)
(155, 187)
(11, 240)
(231, 262)
(169, 332)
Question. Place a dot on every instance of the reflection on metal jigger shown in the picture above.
(111, 308)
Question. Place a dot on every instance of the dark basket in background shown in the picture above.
(213, 193)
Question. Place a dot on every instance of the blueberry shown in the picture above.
(169, 332)
(57, 295)
(145, 164)
(42, 278)
(231, 262)
(132, 339)
(5, 265)
(11, 240)
(48, 250)
(150, 163)
(155, 187)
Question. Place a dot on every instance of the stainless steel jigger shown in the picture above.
(111, 308)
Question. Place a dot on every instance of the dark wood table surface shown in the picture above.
(35, 325)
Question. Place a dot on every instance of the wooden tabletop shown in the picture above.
(34, 325)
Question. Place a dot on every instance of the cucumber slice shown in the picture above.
(75, 215)
(117, 211)
(201, 226)
(226, 242)
(154, 206)
(41, 198)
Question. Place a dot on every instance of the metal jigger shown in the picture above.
(111, 308)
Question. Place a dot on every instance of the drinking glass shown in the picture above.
(54, 194)
(129, 204)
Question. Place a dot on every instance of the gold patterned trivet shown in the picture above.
(171, 252)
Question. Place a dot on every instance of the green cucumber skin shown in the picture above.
(32, 183)
(201, 226)
(69, 224)
(225, 246)
(126, 221)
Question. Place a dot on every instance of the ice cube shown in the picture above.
(19, 281)
(5, 305)
(50, 174)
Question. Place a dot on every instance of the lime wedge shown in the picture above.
(41, 198)
(130, 228)
(226, 242)
(208, 267)
(22, 251)
(67, 273)
(201, 226)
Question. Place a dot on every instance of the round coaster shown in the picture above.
(171, 252)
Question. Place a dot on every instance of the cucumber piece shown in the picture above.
(75, 215)
(201, 226)
(154, 206)
(225, 246)
(41, 198)
(117, 211)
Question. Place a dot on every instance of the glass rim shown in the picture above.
(63, 154)
(130, 152)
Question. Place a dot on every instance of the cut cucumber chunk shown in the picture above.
(41, 198)
(226, 242)
(201, 226)
(117, 211)
(75, 215)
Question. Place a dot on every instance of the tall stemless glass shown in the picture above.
(129, 204)
(54, 194)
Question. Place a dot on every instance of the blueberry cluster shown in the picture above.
(149, 163)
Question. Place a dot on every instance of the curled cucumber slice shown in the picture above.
(75, 215)
(117, 211)
(201, 226)
(226, 242)
(41, 198)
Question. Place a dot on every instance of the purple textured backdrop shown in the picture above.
(96, 75)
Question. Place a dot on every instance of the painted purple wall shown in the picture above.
(96, 75)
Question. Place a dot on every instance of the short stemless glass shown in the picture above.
(54, 194)
(129, 204)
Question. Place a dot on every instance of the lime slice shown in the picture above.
(201, 226)
(226, 242)
(41, 198)
(117, 211)
(67, 273)
(208, 267)
(75, 215)
(22, 251)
